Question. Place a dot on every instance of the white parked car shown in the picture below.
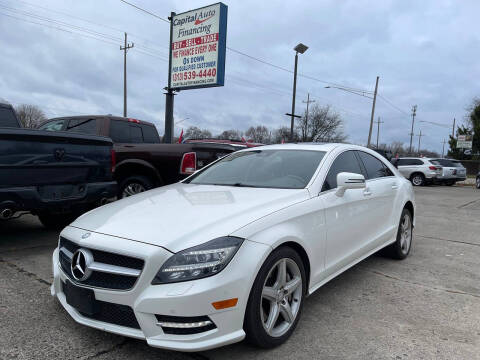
(233, 250)
(420, 171)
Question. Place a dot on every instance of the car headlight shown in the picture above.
(199, 261)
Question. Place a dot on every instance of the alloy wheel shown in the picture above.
(405, 234)
(417, 180)
(281, 297)
(132, 189)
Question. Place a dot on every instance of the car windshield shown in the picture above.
(457, 164)
(286, 169)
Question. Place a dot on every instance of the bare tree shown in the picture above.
(30, 116)
(194, 132)
(282, 134)
(259, 134)
(321, 124)
(231, 134)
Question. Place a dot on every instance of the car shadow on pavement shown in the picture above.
(25, 232)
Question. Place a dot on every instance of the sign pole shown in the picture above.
(168, 136)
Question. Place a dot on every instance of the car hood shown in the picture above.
(181, 215)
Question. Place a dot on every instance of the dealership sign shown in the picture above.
(464, 141)
(197, 48)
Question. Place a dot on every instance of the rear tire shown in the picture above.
(274, 305)
(478, 182)
(57, 221)
(133, 185)
(450, 183)
(417, 179)
(400, 249)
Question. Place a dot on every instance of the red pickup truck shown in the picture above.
(142, 161)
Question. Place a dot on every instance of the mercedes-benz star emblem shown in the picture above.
(80, 266)
(84, 236)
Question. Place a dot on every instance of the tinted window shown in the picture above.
(407, 162)
(443, 162)
(288, 169)
(375, 168)
(457, 164)
(135, 134)
(7, 117)
(84, 126)
(150, 134)
(55, 125)
(345, 162)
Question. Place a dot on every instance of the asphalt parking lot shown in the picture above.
(425, 307)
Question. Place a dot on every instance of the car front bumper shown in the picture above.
(185, 299)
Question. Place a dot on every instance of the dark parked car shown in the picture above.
(143, 162)
(387, 154)
(56, 176)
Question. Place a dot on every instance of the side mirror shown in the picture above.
(346, 180)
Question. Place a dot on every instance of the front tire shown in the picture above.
(133, 185)
(417, 179)
(276, 299)
(401, 247)
(477, 183)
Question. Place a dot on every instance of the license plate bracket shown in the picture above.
(80, 298)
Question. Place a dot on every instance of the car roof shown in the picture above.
(101, 116)
(308, 146)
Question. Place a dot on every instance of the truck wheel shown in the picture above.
(417, 179)
(134, 185)
(57, 221)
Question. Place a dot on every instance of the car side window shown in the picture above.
(375, 168)
(150, 134)
(417, 162)
(84, 126)
(345, 162)
(56, 125)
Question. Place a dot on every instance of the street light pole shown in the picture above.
(373, 113)
(300, 48)
(293, 98)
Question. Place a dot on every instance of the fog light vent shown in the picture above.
(182, 325)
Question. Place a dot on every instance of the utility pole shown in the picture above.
(414, 113)
(443, 147)
(419, 138)
(378, 122)
(306, 116)
(453, 129)
(125, 49)
(373, 113)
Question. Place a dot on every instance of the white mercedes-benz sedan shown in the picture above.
(232, 251)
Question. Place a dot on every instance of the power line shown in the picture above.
(255, 58)
(98, 38)
(145, 11)
(89, 21)
(69, 25)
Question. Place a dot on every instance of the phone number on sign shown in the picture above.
(189, 75)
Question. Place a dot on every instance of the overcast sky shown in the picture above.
(425, 52)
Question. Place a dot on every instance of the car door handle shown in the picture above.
(394, 186)
(367, 192)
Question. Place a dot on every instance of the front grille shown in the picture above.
(98, 278)
(117, 314)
